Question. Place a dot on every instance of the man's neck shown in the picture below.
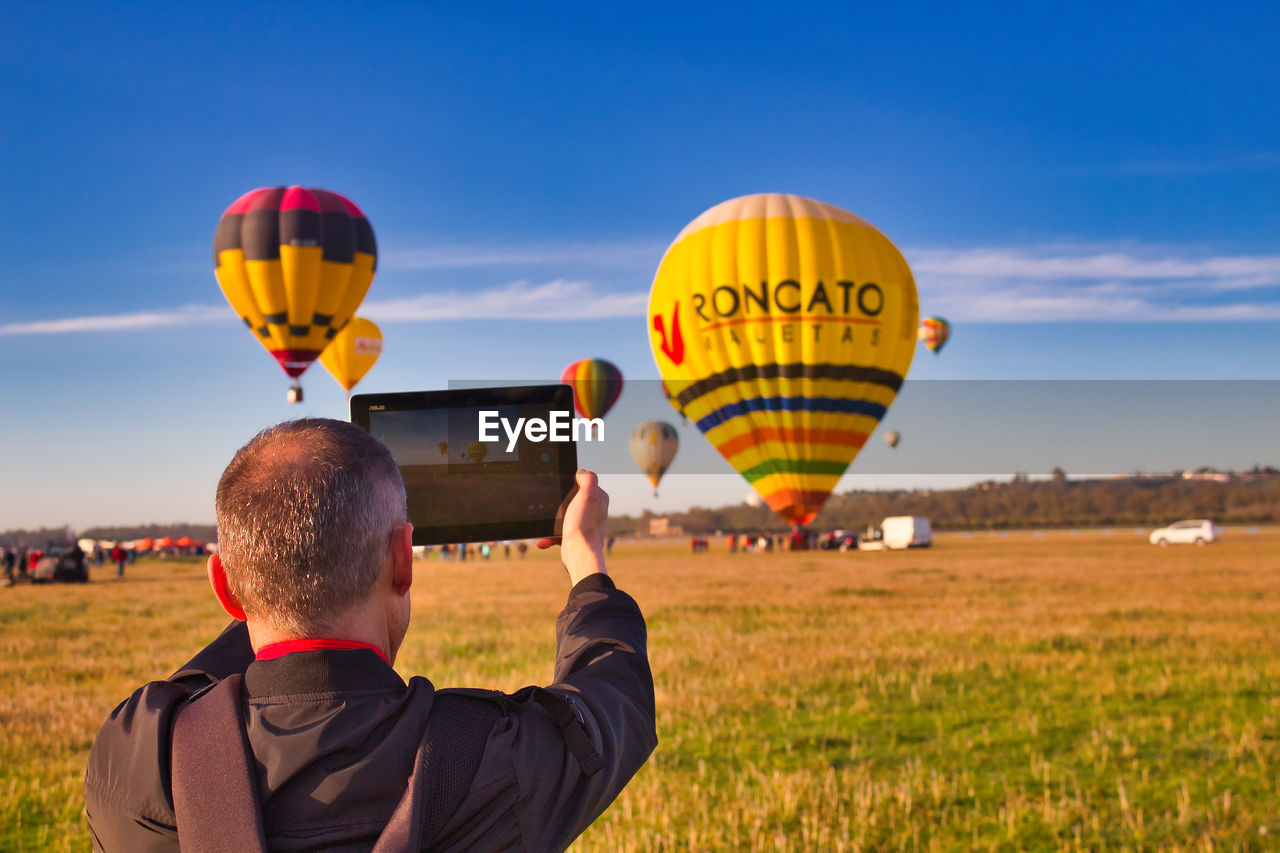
(262, 634)
(271, 651)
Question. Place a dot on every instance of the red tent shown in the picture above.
(143, 544)
(185, 542)
(164, 542)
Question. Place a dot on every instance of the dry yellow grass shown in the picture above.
(1052, 692)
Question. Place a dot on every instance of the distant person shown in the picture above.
(522, 549)
(76, 564)
(10, 563)
(119, 556)
(328, 736)
(608, 545)
(733, 544)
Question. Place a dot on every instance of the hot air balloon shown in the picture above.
(653, 445)
(934, 331)
(352, 352)
(784, 327)
(443, 447)
(477, 451)
(596, 384)
(892, 437)
(294, 263)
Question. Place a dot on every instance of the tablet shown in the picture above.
(476, 465)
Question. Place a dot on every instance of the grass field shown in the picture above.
(1052, 692)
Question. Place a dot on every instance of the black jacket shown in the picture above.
(335, 733)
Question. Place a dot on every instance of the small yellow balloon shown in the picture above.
(356, 348)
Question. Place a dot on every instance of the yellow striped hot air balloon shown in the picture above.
(295, 264)
(784, 328)
(353, 352)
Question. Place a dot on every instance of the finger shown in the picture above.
(545, 543)
(586, 479)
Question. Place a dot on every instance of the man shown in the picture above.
(315, 561)
(119, 555)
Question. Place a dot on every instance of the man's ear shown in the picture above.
(402, 559)
(222, 591)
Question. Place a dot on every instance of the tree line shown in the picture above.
(40, 537)
(1021, 503)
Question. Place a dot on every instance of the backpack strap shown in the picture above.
(564, 709)
(214, 776)
(448, 757)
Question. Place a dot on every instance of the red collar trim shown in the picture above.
(288, 647)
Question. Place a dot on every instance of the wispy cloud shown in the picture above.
(518, 300)
(630, 255)
(1084, 263)
(1047, 283)
(188, 315)
(1063, 282)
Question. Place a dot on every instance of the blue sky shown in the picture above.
(1086, 193)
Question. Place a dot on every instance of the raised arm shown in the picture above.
(602, 670)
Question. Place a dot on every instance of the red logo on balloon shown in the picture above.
(675, 349)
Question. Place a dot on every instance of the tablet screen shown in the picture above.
(473, 470)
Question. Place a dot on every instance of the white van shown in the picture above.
(898, 532)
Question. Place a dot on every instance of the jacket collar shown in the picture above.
(320, 671)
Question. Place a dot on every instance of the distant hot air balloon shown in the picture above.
(477, 451)
(596, 384)
(294, 263)
(443, 447)
(785, 327)
(352, 352)
(892, 437)
(653, 445)
(934, 331)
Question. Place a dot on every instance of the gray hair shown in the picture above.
(305, 515)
